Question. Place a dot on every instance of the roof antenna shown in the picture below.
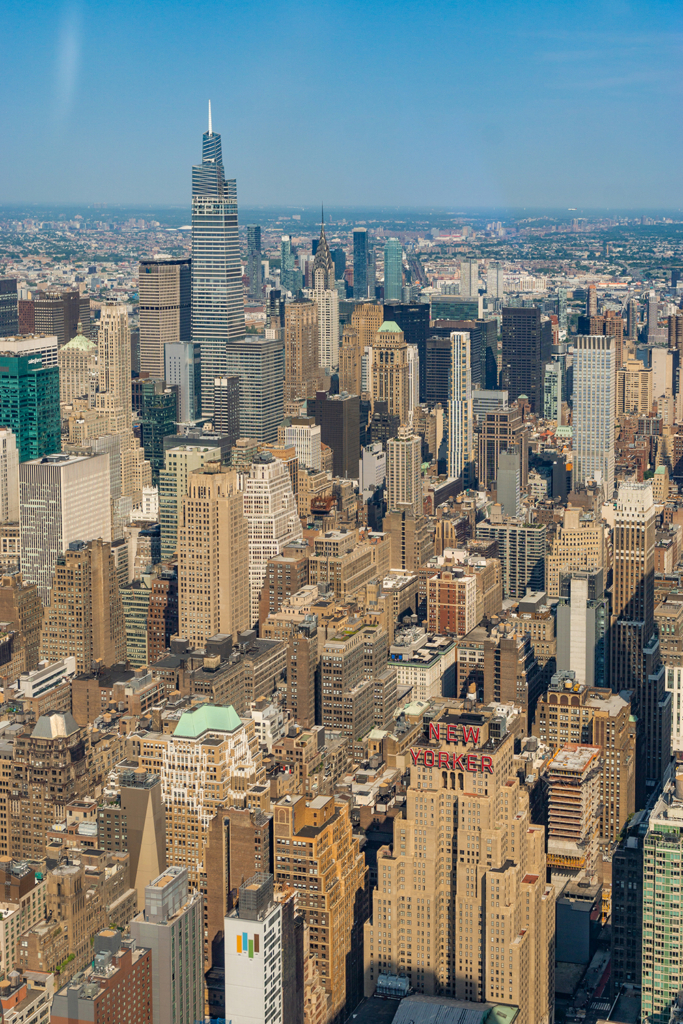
(210, 129)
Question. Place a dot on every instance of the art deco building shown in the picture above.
(78, 375)
(302, 366)
(213, 557)
(578, 545)
(390, 371)
(327, 300)
(462, 907)
(350, 361)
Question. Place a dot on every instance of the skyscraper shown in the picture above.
(393, 270)
(461, 431)
(260, 365)
(9, 477)
(404, 472)
(327, 300)
(254, 265)
(58, 313)
(635, 658)
(303, 375)
(182, 369)
(213, 557)
(29, 404)
(591, 301)
(173, 479)
(469, 278)
(217, 294)
(226, 407)
(165, 290)
(360, 263)
(390, 370)
(413, 319)
(9, 318)
(495, 281)
(527, 343)
(84, 619)
(78, 376)
(338, 417)
(63, 498)
(594, 409)
(290, 277)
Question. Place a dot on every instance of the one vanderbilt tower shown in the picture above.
(217, 295)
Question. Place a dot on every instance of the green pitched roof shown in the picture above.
(207, 718)
(80, 341)
(390, 325)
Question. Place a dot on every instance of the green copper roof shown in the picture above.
(207, 718)
(80, 341)
(389, 325)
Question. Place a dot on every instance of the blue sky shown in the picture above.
(354, 102)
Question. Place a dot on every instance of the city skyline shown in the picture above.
(554, 82)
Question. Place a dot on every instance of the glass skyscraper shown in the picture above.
(217, 294)
(393, 270)
(360, 263)
(254, 267)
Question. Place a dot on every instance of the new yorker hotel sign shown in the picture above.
(454, 762)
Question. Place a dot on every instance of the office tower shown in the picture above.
(158, 417)
(62, 498)
(609, 324)
(339, 260)
(393, 270)
(26, 317)
(460, 427)
(78, 377)
(41, 345)
(404, 472)
(372, 272)
(84, 618)
(527, 343)
(577, 545)
(162, 619)
(591, 301)
(217, 292)
(327, 301)
(173, 480)
(213, 557)
(338, 417)
(501, 429)
(120, 975)
(260, 365)
(165, 310)
(470, 874)
(413, 380)
(271, 512)
(552, 392)
(299, 630)
(226, 407)
(508, 482)
(652, 316)
(662, 861)
(632, 317)
(20, 604)
(439, 356)
(303, 373)
(635, 656)
(521, 549)
(594, 404)
(29, 404)
(390, 370)
(366, 320)
(495, 281)
(290, 277)
(182, 370)
(55, 743)
(360, 264)
(171, 926)
(350, 362)
(562, 308)
(348, 698)
(456, 307)
(9, 477)
(573, 778)
(9, 311)
(469, 278)
(254, 265)
(413, 319)
(336, 910)
(114, 401)
(58, 313)
(582, 626)
(627, 905)
(264, 955)
(305, 435)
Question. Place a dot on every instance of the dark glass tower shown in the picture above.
(254, 267)
(217, 294)
(360, 263)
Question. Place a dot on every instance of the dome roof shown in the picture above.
(80, 341)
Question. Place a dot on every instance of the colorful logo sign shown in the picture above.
(247, 945)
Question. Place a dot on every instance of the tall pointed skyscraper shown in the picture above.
(217, 294)
(327, 299)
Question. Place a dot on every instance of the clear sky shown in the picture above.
(352, 102)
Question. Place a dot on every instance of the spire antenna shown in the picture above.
(210, 129)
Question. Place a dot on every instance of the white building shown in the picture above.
(270, 723)
(372, 467)
(44, 345)
(495, 281)
(9, 477)
(305, 436)
(469, 278)
(149, 507)
(413, 379)
(272, 517)
(460, 428)
(424, 662)
(41, 680)
(62, 498)
(253, 955)
(180, 369)
(594, 410)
